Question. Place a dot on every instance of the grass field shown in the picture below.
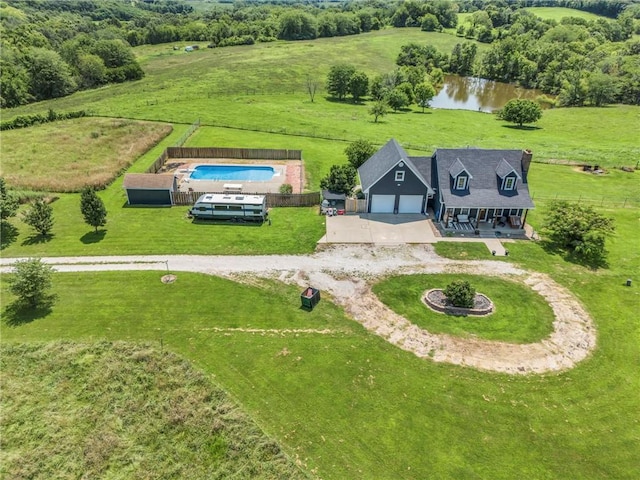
(558, 13)
(151, 415)
(510, 322)
(47, 157)
(348, 404)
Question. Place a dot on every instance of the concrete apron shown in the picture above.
(389, 229)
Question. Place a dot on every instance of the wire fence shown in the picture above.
(605, 201)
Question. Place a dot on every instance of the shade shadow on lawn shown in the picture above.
(16, 313)
(37, 239)
(553, 249)
(8, 234)
(93, 237)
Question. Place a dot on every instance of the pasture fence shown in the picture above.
(604, 201)
(194, 126)
(273, 199)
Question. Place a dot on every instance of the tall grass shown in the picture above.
(117, 410)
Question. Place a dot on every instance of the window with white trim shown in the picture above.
(461, 182)
(400, 176)
(509, 183)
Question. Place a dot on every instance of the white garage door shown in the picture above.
(382, 203)
(410, 204)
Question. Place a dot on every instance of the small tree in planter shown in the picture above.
(460, 293)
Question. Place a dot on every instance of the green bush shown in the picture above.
(286, 189)
(460, 293)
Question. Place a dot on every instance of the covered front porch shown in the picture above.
(484, 222)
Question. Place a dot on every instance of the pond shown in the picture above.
(470, 93)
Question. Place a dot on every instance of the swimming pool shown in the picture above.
(248, 173)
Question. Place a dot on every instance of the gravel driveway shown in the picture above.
(346, 272)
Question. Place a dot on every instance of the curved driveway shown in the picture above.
(346, 272)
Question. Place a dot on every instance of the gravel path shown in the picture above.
(346, 272)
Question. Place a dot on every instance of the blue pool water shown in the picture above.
(223, 173)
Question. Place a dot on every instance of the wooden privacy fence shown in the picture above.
(239, 153)
(273, 199)
(353, 205)
(220, 152)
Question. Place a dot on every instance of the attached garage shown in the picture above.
(410, 204)
(149, 188)
(382, 203)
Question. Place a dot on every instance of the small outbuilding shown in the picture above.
(333, 199)
(149, 188)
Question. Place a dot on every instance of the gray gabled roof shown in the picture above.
(457, 168)
(503, 169)
(484, 189)
(382, 161)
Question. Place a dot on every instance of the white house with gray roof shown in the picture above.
(469, 185)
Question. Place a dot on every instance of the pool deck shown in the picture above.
(287, 171)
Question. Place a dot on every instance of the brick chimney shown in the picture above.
(527, 156)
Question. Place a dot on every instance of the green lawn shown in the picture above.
(463, 250)
(520, 316)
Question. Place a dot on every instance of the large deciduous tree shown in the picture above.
(579, 230)
(521, 111)
(92, 208)
(424, 94)
(298, 25)
(31, 282)
(338, 80)
(341, 179)
(39, 216)
(50, 76)
(359, 152)
(358, 86)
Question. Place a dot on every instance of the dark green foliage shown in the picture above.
(359, 152)
(39, 216)
(23, 121)
(341, 179)
(462, 58)
(358, 85)
(31, 282)
(298, 25)
(338, 80)
(460, 293)
(521, 111)
(8, 202)
(579, 230)
(92, 208)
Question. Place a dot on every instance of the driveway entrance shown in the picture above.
(379, 228)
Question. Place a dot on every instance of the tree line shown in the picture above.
(51, 49)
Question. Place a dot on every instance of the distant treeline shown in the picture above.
(52, 48)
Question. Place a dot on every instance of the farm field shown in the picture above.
(346, 403)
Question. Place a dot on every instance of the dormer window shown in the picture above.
(400, 176)
(461, 182)
(509, 183)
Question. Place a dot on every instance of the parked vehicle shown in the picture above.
(237, 208)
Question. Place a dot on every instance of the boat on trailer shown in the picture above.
(237, 208)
